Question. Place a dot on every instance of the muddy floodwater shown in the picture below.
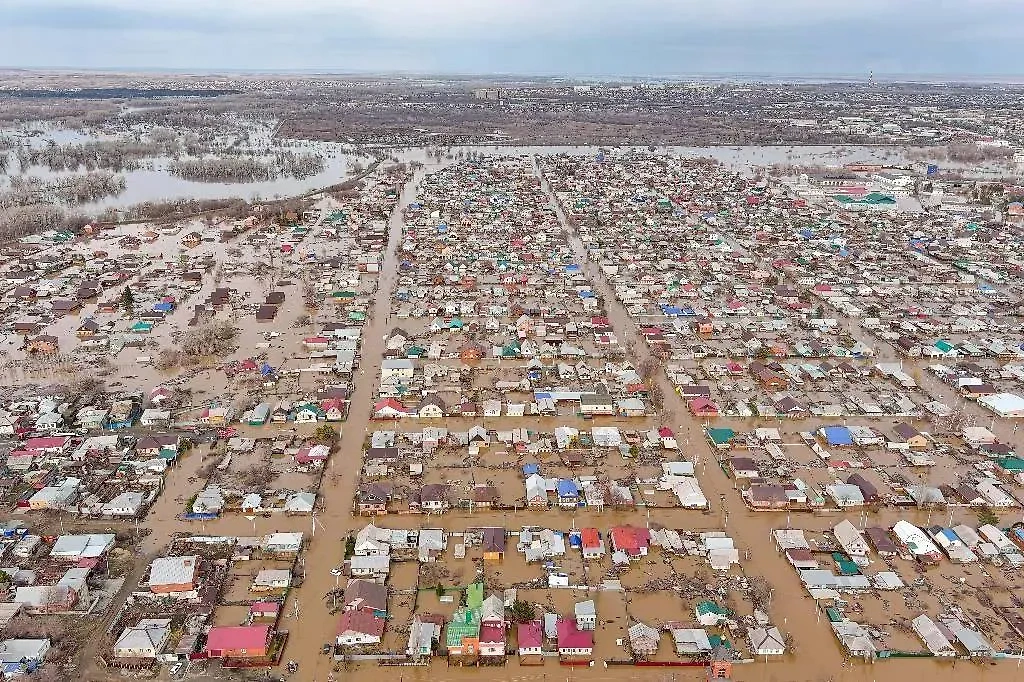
(308, 619)
(154, 183)
(817, 657)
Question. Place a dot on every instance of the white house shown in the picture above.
(998, 538)
(300, 503)
(976, 436)
(845, 495)
(995, 495)
(283, 543)
(272, 579)
(155, 417)
(586, 615)
(401, 368)
(90, 417)
(372, 541)
(766, 641)
(915, 540)
(128, 503)
(49, 422)
(55, 496)
(174, 576)
(370, 566)
(1009, 405)
(422, 635)
(147, 639)
(606, 436)
(932, 636)
(536, 491)
(14, 651)
(850, 539)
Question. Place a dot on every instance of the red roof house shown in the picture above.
(312, 453)
(239, 641)
(573, 642)
(530, 636)
(591, 544)
(702, 407)
(360, 627)
(264, 610)
(50, 444)
(632, 540)
(389, 408)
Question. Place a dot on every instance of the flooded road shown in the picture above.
(817, 655)
(314, 625)
(308, 619)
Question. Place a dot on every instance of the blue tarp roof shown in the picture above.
(587, 294)
(567, 487)
(838, 435)
(530, 469)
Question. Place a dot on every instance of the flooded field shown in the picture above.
(153, 181)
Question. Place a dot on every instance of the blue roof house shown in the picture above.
(568, 493)
(838, 436)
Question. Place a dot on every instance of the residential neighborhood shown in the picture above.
(620, 408)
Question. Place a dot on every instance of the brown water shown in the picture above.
(817, 656)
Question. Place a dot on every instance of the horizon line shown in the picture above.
(748, 76)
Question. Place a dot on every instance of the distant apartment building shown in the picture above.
(491, 94)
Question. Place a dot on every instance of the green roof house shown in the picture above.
(464, 625)
(721, 436)
(709, 613)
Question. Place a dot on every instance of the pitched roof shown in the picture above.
(173, 570)
(238, 637)
(530, 634)
(571, 637)
(364, 622)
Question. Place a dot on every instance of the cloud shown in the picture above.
(613, 37)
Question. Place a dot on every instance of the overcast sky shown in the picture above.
(570, 37)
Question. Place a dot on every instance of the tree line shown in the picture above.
(70, 190)
(247, 169)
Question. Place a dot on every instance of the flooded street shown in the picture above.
(307, 618)
(310, 616)
(816, 657)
